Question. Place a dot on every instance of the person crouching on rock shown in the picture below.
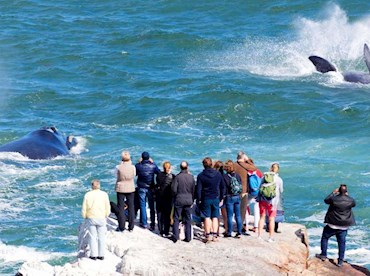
(339, 218)
(125, 188)
(95, 209)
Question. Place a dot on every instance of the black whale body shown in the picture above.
(324, 66)
(44, 143)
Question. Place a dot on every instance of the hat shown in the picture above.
(145, 155)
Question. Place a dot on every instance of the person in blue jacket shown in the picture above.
(146, 169)
(210, 193)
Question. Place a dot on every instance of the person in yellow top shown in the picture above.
(95, 209)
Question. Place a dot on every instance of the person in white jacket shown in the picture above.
(95, 210)
(269, 207)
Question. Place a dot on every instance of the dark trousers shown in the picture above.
(185, 213)
(341, 239)
(129, 199)
(164, 208)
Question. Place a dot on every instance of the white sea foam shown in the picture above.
(13, 156)
(317, 217)
(10, 253)
(331, 36)
(71, 182)
(80, 147)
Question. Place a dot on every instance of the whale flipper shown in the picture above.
(322, 65)
(367, 56)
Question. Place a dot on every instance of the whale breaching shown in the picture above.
(324, 66)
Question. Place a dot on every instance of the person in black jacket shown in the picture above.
(164, 198)
(339, 218)
(183, 188)
(145, 171)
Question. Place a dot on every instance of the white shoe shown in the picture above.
(271, 240)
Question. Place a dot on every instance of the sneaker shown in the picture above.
(92, 258)
(246, 233)
(143, 226)
(271, 240)
(100, 258)
(119, 230)
(321, 257)
(227, 235)
(340, 263)
(237, 236)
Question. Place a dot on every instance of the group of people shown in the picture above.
(171, 198)
(227, 187)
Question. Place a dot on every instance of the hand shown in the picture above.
(221, 203)
(336, 191)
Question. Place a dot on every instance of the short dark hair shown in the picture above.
(207, 162)
(342, 189)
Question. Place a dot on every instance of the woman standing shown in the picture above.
(164, 198)
(233, 185)
(125, 188)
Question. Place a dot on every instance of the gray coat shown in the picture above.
(183, 188)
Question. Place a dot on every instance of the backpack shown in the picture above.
(235, 185)
(254, 182)
(268, 187)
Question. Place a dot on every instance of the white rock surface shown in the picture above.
(142, 252)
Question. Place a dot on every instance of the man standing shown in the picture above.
(95, 209)
(145, 171)
(183, 191)
(210, 192)
(242, 165)
(338, 218)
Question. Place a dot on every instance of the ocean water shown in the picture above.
(183, 81)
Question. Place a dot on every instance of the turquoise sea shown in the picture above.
(182, 80)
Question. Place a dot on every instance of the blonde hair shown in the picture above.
(125, 155)
(229, 164)
(166, 167)
(95, 184)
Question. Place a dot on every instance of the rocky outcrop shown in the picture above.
(142, 252)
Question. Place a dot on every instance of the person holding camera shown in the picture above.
(338, 219)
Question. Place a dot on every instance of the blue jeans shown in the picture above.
(143, 194)
(341, 239)
(233, 207)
